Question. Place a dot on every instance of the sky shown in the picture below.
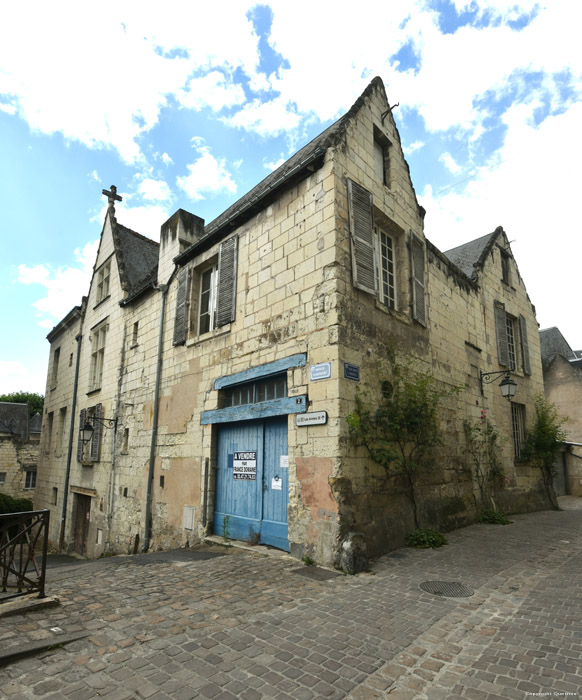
(188, 105)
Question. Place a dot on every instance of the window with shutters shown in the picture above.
(378, 259)
(90, 452)
(98, 338)
(512, 340)
(207, 301)
(206, 298)
(386, 248)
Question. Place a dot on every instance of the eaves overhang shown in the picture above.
(251, 205)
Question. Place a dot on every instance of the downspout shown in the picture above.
(70, 450)
(163, 288)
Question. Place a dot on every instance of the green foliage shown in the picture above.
(543, 442)
(308, 561)
(493, 517)
(35, 401)
(14, 505)
(402, 427)
(225, 524)
(482, 446)
(425, 538)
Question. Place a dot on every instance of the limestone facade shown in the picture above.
(19, 450)
(303, 288)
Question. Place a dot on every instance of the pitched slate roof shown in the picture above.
(301, 164)
(470, 256)
(552, 342)
(137, 259)
(14, 418)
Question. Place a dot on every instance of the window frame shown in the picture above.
(30, 475)
(389, 299)
(98, 344)
(103, 281)
(212, 291)
(517, 427)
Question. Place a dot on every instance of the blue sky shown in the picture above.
(190, 106)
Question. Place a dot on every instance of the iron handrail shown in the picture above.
(23, 539)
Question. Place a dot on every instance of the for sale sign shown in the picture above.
(244, 466)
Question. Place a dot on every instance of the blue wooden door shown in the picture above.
(252, 482)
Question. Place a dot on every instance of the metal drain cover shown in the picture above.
(450, 589)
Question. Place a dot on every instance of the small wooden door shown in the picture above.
(82, 518)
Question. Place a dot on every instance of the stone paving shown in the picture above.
(250, 626)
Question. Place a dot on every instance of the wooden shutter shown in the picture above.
(362, 237)
(82, 419)
(501, 331)
(96, 439)
(417, 279)
(524, 346)
(180, 321)
(226, 285)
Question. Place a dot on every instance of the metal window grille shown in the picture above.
(518, 426)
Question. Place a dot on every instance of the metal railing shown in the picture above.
(23, 551)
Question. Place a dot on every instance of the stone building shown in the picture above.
(218, 367)
(562, 369)
(19, 445)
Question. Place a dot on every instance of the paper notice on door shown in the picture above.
(276, 484)
(284, 462)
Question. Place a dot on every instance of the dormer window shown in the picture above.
(103, 275)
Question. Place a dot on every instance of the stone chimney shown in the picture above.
(178, 233)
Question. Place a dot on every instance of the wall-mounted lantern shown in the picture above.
(86, 431)
(507, 385)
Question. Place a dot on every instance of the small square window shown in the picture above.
(2, 477)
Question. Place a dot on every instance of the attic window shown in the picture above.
(505, 269)
(381, 157)
(103, 275)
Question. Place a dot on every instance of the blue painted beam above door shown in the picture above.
(267, 370)
(253, 411)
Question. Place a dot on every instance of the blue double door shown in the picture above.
(252, 482)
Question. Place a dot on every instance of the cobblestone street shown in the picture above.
(245, 625)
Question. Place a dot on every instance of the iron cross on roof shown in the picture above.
(112, 197)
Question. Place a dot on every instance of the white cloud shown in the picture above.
(64, 286)
(207, 175)
(156, 190)
(273, 165)
(146, 220)
(413, 147)
(94, 175)
(266, 118)
(166, 159)
(529, 188)
(18, 376)
(213, 90)
(449, 162)
(70, 84)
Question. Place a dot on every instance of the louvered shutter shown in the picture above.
(524, 346)
(417, 279)
(362, 235)
(501, 331)
(226, 286)
(180, 321)
(82, 419)
(96, 439)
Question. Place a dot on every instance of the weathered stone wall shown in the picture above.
(15, 457)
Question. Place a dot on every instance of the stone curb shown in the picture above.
(25, 604)
(32, 648)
